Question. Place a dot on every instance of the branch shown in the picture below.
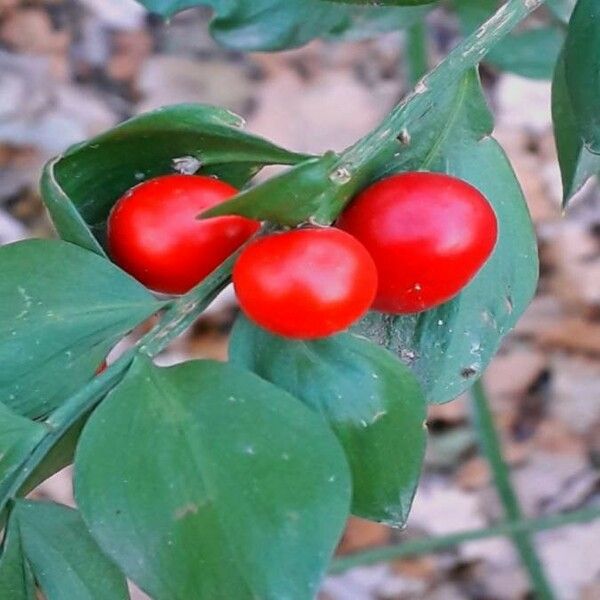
(423, 98)
(185, 310)
(491, 447)
(427, 545)
(176, 319)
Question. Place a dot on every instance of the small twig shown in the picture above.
(491, 448)
(188, 307)
(428, 545)
(176, 319)
(416, 52)
(422, 99)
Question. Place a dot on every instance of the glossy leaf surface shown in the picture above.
(65, 560)
(18, 437)
(577, 163)
(370, 399)
(582, 70)
(16, 578)
(63, 309)
(225, 487)
(80, 187)
(281, 24)
(447, 348)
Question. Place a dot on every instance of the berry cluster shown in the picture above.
(406, 244)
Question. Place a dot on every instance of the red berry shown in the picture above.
(305, 284)
(154, 233)
(428, 233)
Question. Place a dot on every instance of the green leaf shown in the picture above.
(63, 308)
(65, 560)
(225, 486)
(280, 24)
(530, 53)
(80, 187)
(168, 8)
(384, 2)
(16, 579)
(295, 196)
(577, 163)
(58, 457)
(366, 22)
(449, 347)
(370, 399)
(18, 437)
(582, 70)
(561, 8)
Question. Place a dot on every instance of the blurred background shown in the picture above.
(72, 68)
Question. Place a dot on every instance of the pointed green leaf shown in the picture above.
(18, 437)
(370, 399)
(582, 70)
(530, 53)
(294, 196)
(59, 456)
(562, 8)
(65, 560)
(80, 187)
(63, 308)
(281, 24)
(225, 486)
(577, 163)
(449, 347)
(385, 2)
(16, 579)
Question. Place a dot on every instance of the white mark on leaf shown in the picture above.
(188, 509)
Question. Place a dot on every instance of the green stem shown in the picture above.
(419, 102)
(182, 312)
(417, 56)
(176, 319)
(380, 146)
(427, 545)
(491, 448)
(186, 309)
(59, 422)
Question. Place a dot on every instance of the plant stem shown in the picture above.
(464, 57)
(427, 545)
(176, 319)
(359, 163)
(185, 310)
(491, 448)
(60, 420)
(416, 52)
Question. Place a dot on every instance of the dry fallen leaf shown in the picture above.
(361, 534)
(573, 334)
(473, 474)
(512, 373)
